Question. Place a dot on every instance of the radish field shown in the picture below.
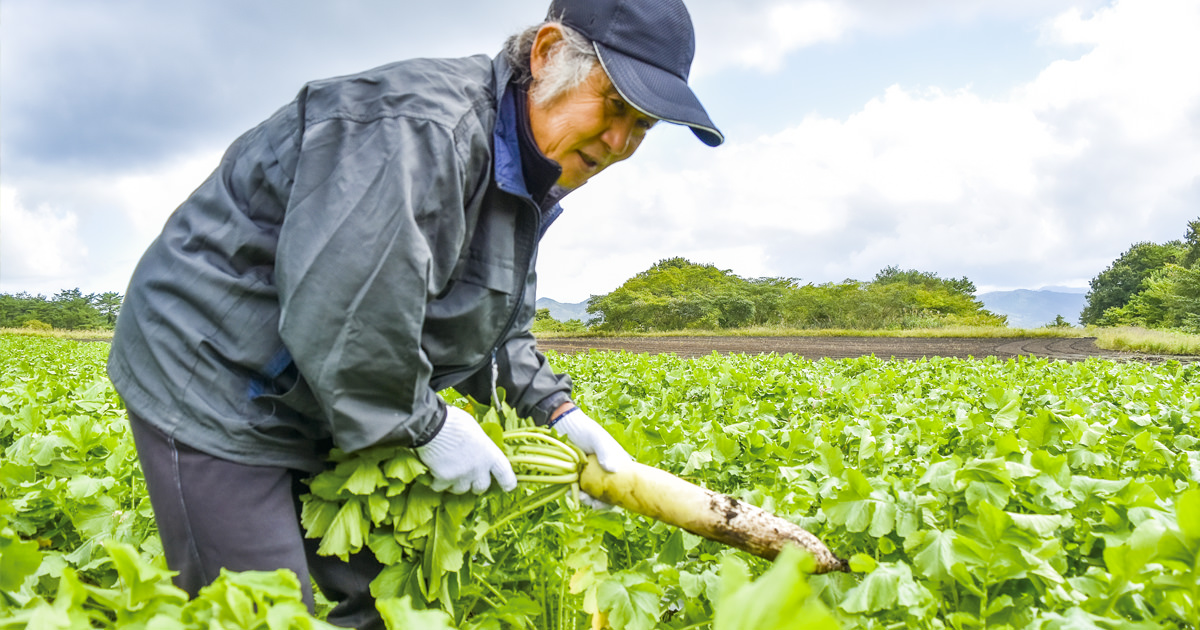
(966, 493)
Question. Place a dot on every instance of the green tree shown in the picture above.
(108, 304)
(921, 299)
(74, 311)
(894, 275)
(768, 296)
(1114, 287)
(677, 294)
(69, 309)
(735, 308)
(1059, 322)
(16, 309)
(1171, 299)
(543, 322)
(1183, 301)
(1192, 242)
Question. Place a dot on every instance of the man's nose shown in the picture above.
(619, 137)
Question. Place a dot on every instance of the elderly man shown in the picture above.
(370, 244)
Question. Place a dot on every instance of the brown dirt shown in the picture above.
(1066, 349)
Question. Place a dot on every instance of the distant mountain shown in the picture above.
(1033, 309)
(1060, 289)
(565, 312)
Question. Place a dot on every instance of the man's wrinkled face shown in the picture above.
(588, 128)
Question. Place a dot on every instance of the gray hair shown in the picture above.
(571, 61)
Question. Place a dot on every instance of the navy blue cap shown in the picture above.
(646, 47)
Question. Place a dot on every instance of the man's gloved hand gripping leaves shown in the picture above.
(591, 438)
(462, 457)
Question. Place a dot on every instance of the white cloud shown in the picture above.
(39, 246)
(1046, 186)
(90, 233)
(786, 27)
(148, 197)
(891, 16)
(758, 36)
(1139, 75)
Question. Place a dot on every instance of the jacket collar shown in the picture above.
(506, 150)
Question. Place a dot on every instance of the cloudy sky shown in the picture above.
(1019, 143)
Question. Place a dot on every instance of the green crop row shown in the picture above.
(1021, 493)
(969, 494)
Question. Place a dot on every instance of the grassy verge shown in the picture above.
(79, 335)
(948, 331)
(1133, 339)
(1128, 339)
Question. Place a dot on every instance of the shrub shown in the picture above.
(36, 324)
(543, 322)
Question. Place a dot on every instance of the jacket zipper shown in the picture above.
(512, 317)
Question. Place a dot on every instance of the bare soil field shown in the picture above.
(1066, 349)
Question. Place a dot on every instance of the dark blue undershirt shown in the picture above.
(521, 168)
(540, 172)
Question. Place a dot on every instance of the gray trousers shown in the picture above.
(214, 514)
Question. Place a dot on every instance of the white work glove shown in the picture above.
(462, 457)
(591, 438)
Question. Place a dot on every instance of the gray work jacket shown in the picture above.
(368, 245)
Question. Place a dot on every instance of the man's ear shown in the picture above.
(547, 37)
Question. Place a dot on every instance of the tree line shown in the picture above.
(1150, 285)
(677, 294)
(70, 309)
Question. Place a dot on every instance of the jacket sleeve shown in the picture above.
(531, 386)
(373, 227)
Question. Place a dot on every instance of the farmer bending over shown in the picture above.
(368, 245)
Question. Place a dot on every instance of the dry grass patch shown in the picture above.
(1135, 339)
(998, 332)
(78, 335)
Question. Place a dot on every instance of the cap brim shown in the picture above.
(658, 93)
